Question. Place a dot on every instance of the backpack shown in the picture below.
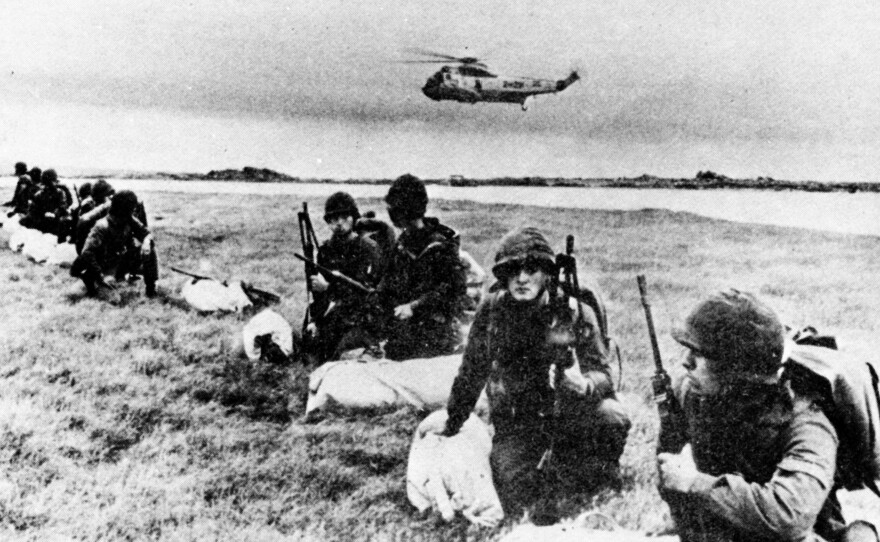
(851, 389)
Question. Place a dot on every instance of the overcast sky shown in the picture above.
(787, 88)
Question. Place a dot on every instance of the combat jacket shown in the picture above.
(425, 270)
(49, 199)
(508, 352)
(766, 456)
(358, 258)
(107, 243)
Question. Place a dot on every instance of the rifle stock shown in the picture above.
(334, 276)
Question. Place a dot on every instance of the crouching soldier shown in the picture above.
(48, 206)
(424, 285)
(762, 453)
(118, 245)
(345, 318)
(545, 368)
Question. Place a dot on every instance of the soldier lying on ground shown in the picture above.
(344, 318)
(424, 285)
(524, 336)
(762, 457)
(118, 245)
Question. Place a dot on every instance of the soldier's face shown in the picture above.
(341, 226)
(526, 284)
(700, 375)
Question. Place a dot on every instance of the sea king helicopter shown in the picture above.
(468, 80)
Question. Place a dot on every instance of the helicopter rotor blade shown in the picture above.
(425, 52)
(424, 61)
(447, 58)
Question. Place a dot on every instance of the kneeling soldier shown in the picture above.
(118, 245)
(522, 338)
(345, 318)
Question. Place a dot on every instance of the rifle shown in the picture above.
(335, 276)
(309, 240)
(253, 293)
(545, 513)
(667, 406)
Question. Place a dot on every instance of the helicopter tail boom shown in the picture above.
(563, 84)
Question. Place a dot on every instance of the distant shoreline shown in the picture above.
(707, 180)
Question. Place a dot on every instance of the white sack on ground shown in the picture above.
(39, 247)
(573, 531)
(62, 255)
(21, 236)
(453, 474)
(210, 295)
(422, 383)
(271, 323)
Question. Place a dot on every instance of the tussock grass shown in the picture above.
(142, 421)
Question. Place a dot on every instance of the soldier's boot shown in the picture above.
(150, 289)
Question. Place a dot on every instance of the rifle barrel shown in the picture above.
(335, 275)
(643, 291)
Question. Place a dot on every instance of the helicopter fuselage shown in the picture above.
(472, 84)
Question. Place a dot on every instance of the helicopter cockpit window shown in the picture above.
(473, 71)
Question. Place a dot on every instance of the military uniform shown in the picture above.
(346, 318)
(767, 466)
(764, 451)
(113, 247)
(508, 353)
(425, 270)
(49, 199)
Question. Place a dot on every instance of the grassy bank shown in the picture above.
(141, 422)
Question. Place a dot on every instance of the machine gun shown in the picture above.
(667, 406)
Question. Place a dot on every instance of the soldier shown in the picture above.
(424, 285)
(118, 245)
(24, 190)
(762, 453)
(344, 318)
(98, 195)
(48, 206)
(524, 336)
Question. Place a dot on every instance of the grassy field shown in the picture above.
(142, 422)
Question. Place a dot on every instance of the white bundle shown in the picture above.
(38, 247)
(62, 255)
(453, 474)
(208, 295)
(271, 323)
(422, 383)
(21, 236)
(574, 531)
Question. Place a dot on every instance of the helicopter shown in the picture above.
(470, 81)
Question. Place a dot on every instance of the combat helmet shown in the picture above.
(101, 190)
(736, 330)
(407, 198)
(341, 204)
(521, 245)
(20, 169)
(123, 204)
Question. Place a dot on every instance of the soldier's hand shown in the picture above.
(403, 312)
(319, 283)
(678, 472)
